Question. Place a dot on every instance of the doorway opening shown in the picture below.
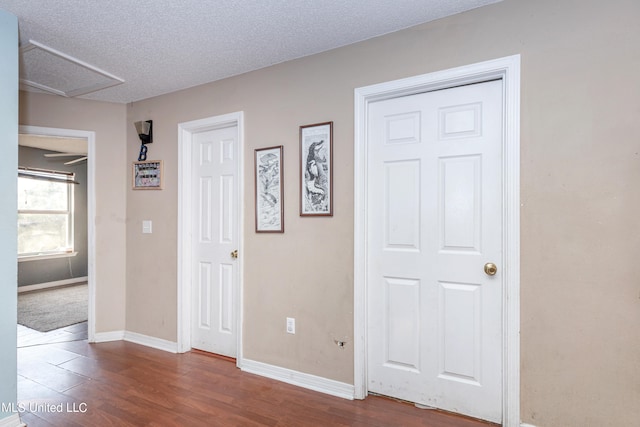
(56, 271)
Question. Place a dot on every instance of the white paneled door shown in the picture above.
(434, 315)
(215, 229)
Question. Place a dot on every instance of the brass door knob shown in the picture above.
(234, 254)
(490, 268)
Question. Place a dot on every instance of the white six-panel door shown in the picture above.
(434, 317)
(215, 236)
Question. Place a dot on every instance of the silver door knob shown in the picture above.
(234, 254)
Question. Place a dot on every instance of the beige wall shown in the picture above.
(108, 122)
(580, 233)
(580, 165)
(580, 293)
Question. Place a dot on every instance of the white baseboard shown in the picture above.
(52, 284)
(108, 336)
(158, 343)
(12, 420)
(300, 379)
(136, 338)
(526, 425)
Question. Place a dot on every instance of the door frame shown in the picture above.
(185, 222)
(506, 69)
(90, 136)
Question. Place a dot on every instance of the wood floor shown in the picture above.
(66, 382)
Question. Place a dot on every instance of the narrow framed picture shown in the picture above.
(148, 175)
(316, 169)
(269, 190)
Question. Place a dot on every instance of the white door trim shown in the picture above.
(507, 69)
(91, 209)
(185, 140)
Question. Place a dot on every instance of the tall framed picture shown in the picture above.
(316, 169)
(269, 190)
(148, 175)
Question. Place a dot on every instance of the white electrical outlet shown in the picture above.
(291, 325)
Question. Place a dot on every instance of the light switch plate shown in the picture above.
(147, 227)
(291, 325)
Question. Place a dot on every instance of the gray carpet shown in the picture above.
(51, 309)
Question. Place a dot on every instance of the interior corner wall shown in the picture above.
(8, 212)
(107, 120)
(580, 303)
(51, 270)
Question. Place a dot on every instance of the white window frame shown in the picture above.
(58, 176)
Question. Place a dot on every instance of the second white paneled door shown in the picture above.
(215, 239)
(434, 308)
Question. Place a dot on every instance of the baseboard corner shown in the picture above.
(149, 341)
(108, 336)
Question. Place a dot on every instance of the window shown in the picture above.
(45, 213)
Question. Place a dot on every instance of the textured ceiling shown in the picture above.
(160, 46)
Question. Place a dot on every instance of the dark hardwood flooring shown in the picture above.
(63, 381)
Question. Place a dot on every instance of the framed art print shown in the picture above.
(316, 169)
(269, 191)
(148, 175)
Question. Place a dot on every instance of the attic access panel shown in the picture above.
(50, 70)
